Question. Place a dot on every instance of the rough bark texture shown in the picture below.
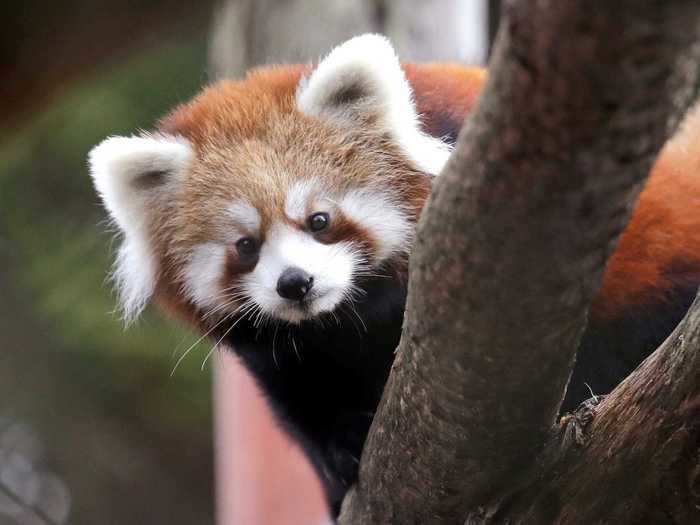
(509, 253)
(634, 457)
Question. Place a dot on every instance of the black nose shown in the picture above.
(294, 284)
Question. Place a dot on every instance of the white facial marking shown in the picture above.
(331, 266)
(382, 217)
(203, 273)
(118, 166)
(369, 64)
(134, 275)
(299, 196)
(244, 215)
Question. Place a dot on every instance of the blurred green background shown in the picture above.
(110, 418)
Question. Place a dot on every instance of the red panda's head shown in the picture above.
(273, 196)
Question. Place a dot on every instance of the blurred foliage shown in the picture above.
(56, 249)
(52, 217)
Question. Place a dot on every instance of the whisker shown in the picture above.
(216, 345)
(274, 355)
(231, 299)
(206, 358)
(294, 345)
(337, 320)
(243, 309)
(349, 313)
(351, 303)
(195, 344)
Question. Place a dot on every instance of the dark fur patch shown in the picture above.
(344, 229)
(612, 348)
(324, 378)
(234, 267)
(348, 94)
(150, 180)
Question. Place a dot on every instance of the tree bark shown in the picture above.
(632, 458)
(509, 253)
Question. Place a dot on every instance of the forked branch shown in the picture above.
(511, 249)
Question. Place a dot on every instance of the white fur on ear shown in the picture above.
(364, 75)
(130, 175)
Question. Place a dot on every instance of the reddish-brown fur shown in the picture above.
(661, 242)
(251, 131)
(444, 92)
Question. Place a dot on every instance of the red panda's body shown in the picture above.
(276, 213)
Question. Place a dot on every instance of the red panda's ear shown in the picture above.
(363, 78)
(133, 175)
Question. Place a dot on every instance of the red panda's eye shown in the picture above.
(247, 247)
(318, 221)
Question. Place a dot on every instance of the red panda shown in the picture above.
(276, 215)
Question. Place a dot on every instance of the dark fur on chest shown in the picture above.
(324, 378)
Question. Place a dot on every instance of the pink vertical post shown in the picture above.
(261, 476)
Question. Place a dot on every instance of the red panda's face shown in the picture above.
(289, 220)
(273, 206)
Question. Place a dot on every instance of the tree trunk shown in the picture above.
(509, 253)
(430, 30)
(247, 33)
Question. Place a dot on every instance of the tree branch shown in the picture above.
(635, 457)
(511, 249)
